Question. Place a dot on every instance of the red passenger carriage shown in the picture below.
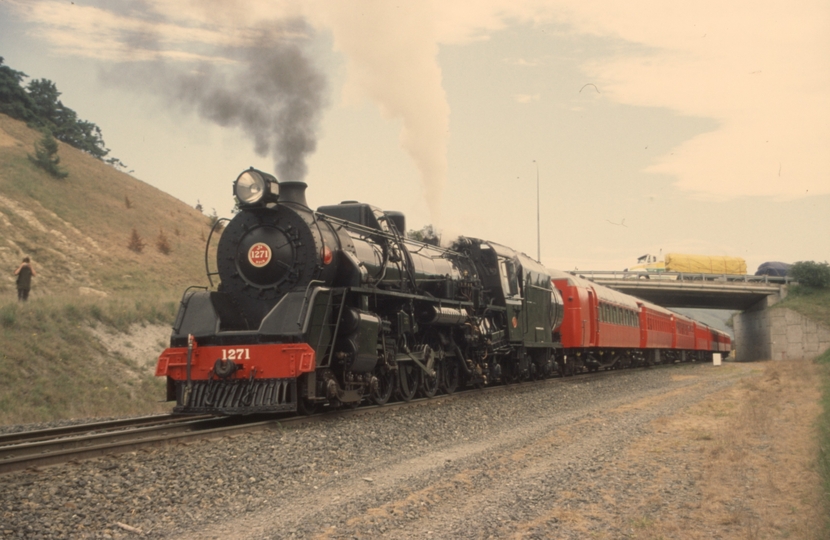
(608, 329)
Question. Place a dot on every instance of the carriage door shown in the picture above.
(590, 338)
(509, 271)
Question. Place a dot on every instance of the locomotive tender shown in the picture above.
(336, 306)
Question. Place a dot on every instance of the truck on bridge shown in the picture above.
(694, 264)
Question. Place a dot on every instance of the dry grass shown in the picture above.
(810, 302)
(53, 367)
(750, 452)
(77, 230)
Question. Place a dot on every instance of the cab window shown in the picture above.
(509, 277)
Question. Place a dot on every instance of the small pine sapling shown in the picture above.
(162, 243)
(136, 243)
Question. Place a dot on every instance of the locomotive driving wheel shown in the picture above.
(509, 371)
(386, 383)
(409, 379)
(429, 385)
(450, 375)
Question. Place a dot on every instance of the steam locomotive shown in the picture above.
(336, 306)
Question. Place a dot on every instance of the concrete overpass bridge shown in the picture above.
(760, 333)
(682, 290)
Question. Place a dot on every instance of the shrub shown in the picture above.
(8, 315)
(811, 274)
(46, 155)
(136, 243)
(162, 243)
(216, 221)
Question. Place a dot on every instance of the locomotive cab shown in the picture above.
(366, 215)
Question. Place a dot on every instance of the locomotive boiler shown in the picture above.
(336, 306)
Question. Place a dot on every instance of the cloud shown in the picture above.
(526, 98)
(93, 32)
(523, 62)
(758, 68)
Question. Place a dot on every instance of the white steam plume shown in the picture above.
(391, 52)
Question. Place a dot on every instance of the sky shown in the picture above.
(650, 125)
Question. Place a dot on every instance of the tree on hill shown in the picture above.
(811, 273)
(46, 155)
(14, 101)
(163, 243)
(136, 243)
(427, 235)
(38, 105)
(64, 123)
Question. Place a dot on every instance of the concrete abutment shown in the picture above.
(762, 333)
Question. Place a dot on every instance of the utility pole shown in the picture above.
(538, 221)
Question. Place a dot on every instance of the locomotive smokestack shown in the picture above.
(293, 192)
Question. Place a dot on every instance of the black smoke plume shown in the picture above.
(270, 89)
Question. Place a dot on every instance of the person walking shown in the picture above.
(24, 274)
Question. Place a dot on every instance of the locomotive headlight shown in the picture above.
(255, 188)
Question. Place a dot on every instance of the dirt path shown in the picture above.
(713, 453)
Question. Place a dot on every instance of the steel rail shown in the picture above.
(63, 448)
(74, 429)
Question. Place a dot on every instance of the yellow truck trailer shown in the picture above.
(691, 264)
(705, 264)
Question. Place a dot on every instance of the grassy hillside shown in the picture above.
(76, 230)
(815, 304)
(812, 303)
(58, 358)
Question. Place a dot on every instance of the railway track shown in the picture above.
(23, 450)
(27, 449)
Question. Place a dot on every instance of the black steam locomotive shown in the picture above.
(334, 307)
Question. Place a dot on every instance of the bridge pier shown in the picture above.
(762, 333)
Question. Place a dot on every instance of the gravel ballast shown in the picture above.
(516, 462)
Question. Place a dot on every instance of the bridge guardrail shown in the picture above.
(594, 275)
